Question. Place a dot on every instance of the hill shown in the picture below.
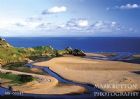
(4, 44)
(10, 54)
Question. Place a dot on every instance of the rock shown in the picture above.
(77, 52)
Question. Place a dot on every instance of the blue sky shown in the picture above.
(70, 18)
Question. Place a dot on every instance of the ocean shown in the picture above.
(87, 44)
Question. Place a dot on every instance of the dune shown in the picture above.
(97, 72)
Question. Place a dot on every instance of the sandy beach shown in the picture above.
(97, 72)
(44, 84)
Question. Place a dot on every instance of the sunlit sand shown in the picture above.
(96, 72)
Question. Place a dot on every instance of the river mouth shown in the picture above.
(88, 95)
(91, 88)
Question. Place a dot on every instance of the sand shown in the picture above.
(97, 72)
(44, 84)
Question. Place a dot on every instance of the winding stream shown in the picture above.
(90, 88)
(3, 90)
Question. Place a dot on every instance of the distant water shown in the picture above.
(88, 44)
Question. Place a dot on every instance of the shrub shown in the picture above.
(25, 78)
(17, 78)
(69, 50)
(77, 52)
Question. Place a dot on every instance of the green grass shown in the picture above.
(13, 58)
(8, 76)
(20, 66)
(10, 54)
(18, 79)
(13, 55)
(17, 67)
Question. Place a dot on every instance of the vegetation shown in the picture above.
(9, 54)
(70, 51)
(25, 78)
(19, 79)
(15, 58)
(14, 66)
(20, 66)
(77, 52)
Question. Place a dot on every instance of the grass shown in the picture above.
(13, 55)
(18, 79)
(10, 54)
(20, 66)
(13, 58)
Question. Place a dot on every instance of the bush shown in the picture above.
(20, 79)
(25, 78)
(69, 50)
(77, 52)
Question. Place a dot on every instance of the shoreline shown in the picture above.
(46, 84)
(70, 67)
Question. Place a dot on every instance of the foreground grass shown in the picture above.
(18, 79)
(20, 66)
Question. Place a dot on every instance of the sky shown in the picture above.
(84, 18)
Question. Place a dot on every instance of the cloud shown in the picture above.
(25, 25)
(55, 9)
(77, 23)
(33, 19)
(129, 6)
(125, 7)
(46, 26)
(105, 26)
(74, 25)
(82, 25)
(18, 24)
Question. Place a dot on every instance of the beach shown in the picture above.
(122, 75)
(108, 76)
(44, 84)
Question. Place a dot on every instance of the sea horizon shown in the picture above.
(89, 44)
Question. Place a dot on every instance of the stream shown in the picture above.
(90, 88)
(119, 57)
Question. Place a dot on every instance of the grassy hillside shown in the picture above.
(10, 54)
